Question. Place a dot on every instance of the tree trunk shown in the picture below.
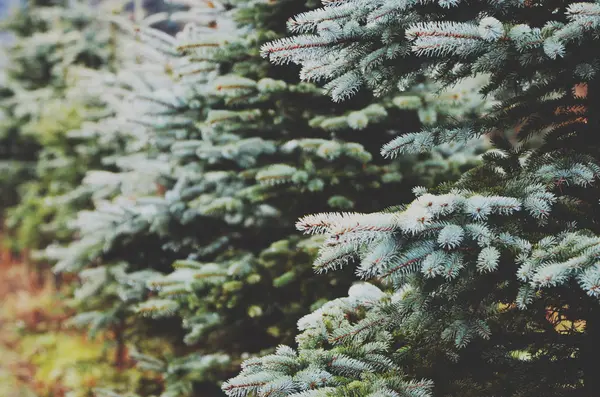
(121, 351)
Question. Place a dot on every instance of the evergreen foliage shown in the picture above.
(478, 280)
(222, 154)
(40, 106)
(48, 96)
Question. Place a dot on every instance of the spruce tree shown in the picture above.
(488, 286)
(40, 106)
(45, 102)
(225, 153)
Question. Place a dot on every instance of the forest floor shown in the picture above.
(40, 357)
(15, 372)
(40, 354)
